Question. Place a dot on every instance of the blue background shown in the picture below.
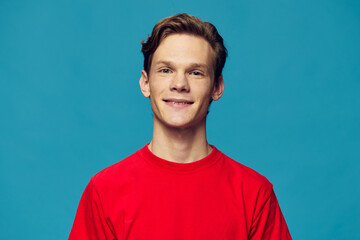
(70, 104)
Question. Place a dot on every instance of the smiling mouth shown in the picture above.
(178, 101)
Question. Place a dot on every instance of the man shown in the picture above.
(178, 186)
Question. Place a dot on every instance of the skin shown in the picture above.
(180, 84)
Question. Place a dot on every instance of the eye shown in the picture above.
(165, 70)
(196, 73)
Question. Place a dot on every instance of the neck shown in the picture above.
(182, 145)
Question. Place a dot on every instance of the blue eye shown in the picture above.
(196, 73)
(165, 70)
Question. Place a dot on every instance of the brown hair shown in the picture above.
(184, 23)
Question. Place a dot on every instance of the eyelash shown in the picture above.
(198, 73)
(168, 70)
(165, 69)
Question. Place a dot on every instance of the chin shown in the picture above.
(183, 123)
(178, 124)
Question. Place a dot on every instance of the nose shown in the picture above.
(180, 83)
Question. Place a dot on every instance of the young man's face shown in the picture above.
(180, 82)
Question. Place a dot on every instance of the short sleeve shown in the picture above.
(269, 223)
(90, 222)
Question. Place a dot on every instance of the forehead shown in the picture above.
(184, 49)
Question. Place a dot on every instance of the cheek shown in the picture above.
(154, 91)
(204, 95)
(157, 86)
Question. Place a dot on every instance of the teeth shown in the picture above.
(178, 102)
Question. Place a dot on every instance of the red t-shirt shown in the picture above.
(144, 197)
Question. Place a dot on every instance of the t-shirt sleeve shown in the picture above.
(269, 223)
(90, 222)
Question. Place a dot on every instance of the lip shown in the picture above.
(178, 103)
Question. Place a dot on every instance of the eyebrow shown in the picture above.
(168, 63)
(192, 65)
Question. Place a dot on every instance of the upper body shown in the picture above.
(183, 62)
(147, 197)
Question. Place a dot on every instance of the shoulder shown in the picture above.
(247, 178)
(119, 173)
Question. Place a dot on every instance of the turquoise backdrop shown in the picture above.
(70, 104)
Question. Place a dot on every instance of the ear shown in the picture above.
(144, 84)
(218, 89)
